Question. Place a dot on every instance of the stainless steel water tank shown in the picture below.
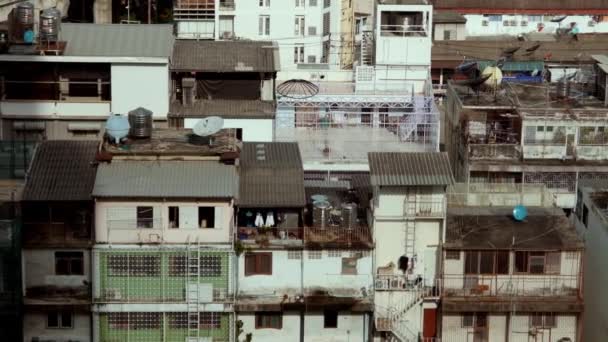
(50, 24)
(563, 89)
(349, 215)
(320, 214)
(25, 14)
(140, 120)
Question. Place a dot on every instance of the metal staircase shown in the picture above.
(410, 223)
(394, 319)
(367, 48)
(193, 263)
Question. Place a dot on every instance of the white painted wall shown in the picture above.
(39, 268)
(34, 325)
(261, 130)
(115, 222)
(52, 108)
(327, 271)
(474, 26)
(352, 327)
(285, 279)
(145, 86)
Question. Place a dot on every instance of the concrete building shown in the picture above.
(305, 273)
(234, 80)
(57, 214)
(591, 221)
(448, 25)
(388, 107)
(163, 258)
(509, 280)
(69, 91)
(513, 18)
(529, 134)
(409, 208)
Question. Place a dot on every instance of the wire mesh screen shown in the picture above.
(163, 327)
(164, 276)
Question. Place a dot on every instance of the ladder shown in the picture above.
(193, 263)
(410, 223)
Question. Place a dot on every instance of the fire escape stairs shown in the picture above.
(395, 320)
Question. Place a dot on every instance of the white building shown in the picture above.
(234, 80)
(509, 280)
(68, 92)
(409, 208)
(301, 276)
(591, 221)
(163, 258)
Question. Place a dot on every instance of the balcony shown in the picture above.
(403, 31)
(159, 230)
(271, 236)
(56, 233)
(510, 286)
(429, 209)
(494, 151)
(330, 236)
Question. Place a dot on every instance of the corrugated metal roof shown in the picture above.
(227, 109)
(271, 176)
(448, 17)
(404, 169)
(601, 59)
(61, 171)
(225, 56)
(115, 40)
(514, 6)
(164, 179)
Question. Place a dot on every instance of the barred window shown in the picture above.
(134, 320)
(210, 265)
(315, 254)
(134, 265)
(294, 255)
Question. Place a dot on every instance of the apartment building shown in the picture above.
(409, 215)
(305, 268)
(57, 236)
(529, 134)
(519, 17)
(388, 107)
(163, 258)
(591, 220)
(234, 80)
(504, 279)
(67, 89)
(449, 25)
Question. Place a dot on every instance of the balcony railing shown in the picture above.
(356, 236)
(400, 282)
(274, 236)
(53, 232)
(494, 151)
(510, 286)
(429, 209)
(403, 30)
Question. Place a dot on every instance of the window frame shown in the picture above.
(264, 3)
(68, 258)
(263, 320)
(330, 319)
(140, 221)
(258, 264)
(298, 54)
(349, 266)
(547, 320)
(544, 255)
(59, 315)
(200, 210)
(300, 26)
(477, 263)
(264, 25)
(173, 212)
(475, 318)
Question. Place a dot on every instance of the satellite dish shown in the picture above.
(559, 19)
(495, 76)
(208, 126)
(520, 213)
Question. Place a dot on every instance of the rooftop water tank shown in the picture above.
(140, 120)
(25, 14)
(50, 21)
(117, 127)
(320, 214)
(349, 215)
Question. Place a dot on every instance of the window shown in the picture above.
(312, 30)
(543, 321)
(349, 266)
(69, 263)
(486, 262)
(264, 25)
(476, 320)
(59, 320)
(173, 217)
(312, 59)
(135, 320)
(326, 3)
(495, 18)
(315, 254)
(452, 255)
(206, 217)
(145, 217)
(299, 25)
(294, 255)
(535, 18)
(549, 128)
(264, 3)
(330, 319)
(268, 320)
(326, 24)
(334, 253)
(524, 23)
(484, 23)
(209, 266)
(135, 265)
(447, 35)
(258, 263)
(300, 3)
(209, 320)
(537, 262)
(298, 54)
(540, 128)
(325, 52)
(312, 3)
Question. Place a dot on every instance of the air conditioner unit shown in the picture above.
(227, 35)
(113, 294)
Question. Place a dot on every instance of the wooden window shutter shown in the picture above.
(265, 263)
(250, 263)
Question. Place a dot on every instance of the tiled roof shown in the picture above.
(271, 176)
(405, 169)
(166, 179)
(224, 56)
(227, 109)
(61, 171)
(116, 40)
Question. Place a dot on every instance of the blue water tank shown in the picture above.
(117, 127)
(28, 36)
(520, 212)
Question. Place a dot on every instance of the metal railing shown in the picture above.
(429, 208)
(270, 234)
(400, 282)
(358, 235)
(494, 151)
(403, 30)
(510, 285)
(499, 194)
